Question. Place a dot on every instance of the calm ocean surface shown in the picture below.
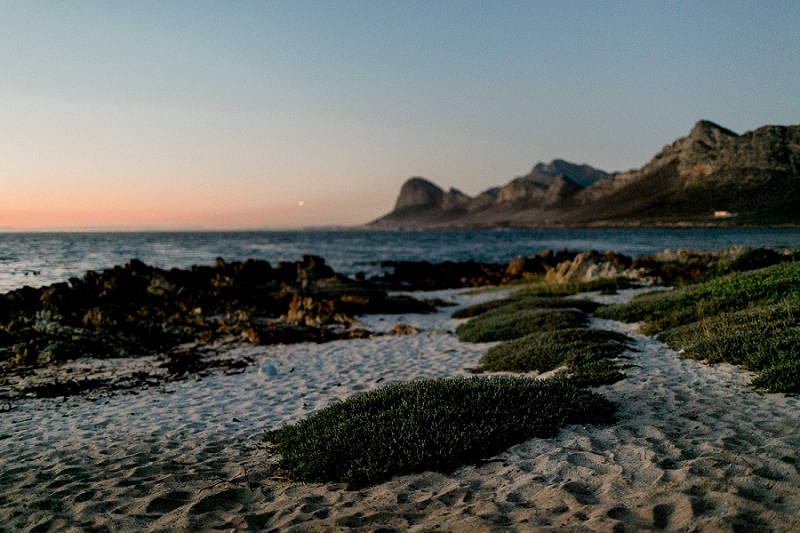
(38, 259)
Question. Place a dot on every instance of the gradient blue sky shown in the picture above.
(228, 114)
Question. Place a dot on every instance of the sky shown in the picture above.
(291, 114)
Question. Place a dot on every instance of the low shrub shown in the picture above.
(544, 351)
(752, 350)
(607, 285)
(734, 292)
(429, 425)
(517, 303)
(748, 319)
(770, 319)
(592, 373)
(783, 377)
(502, 325)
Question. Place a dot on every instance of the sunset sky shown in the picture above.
(223, 115)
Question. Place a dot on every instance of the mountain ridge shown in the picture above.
(711, 177)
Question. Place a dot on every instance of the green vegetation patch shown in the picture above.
(518, 303)
(734, 292)
(502, 325)
(544, 351)
(592, 373)
(783, 377)
(748, 319)
(604, 285)
(435, 425)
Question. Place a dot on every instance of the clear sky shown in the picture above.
(172, 114)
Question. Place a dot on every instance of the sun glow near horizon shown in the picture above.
(227, 116)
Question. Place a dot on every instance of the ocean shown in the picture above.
(38, 259)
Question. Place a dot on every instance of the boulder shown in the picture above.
(587, 266)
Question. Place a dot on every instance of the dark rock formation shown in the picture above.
(419, 193)
(583, 175)
(712, 177)
(137, 309)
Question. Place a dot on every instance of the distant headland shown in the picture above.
(711, 178)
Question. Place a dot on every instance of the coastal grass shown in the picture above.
(749, 319)
(604, 285)
(548, 350)
(502, 325)
(783, 377)
(436, 425)
(690, 303)
(522, 302)
(592, 373)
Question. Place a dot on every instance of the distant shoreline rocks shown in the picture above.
(137, 309)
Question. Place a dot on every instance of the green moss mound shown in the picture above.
(430, 425)
(502, 325)
(544, 351)
(518, 303)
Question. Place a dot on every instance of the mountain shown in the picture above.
(713, 177)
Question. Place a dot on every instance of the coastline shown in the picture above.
(189, 456)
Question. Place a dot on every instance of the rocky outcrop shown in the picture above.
(712, 177)
(521, 190)
(137, 309)
(583, 175)
(419, 192)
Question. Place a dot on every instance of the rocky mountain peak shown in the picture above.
(754, 176)
(709, 133)
(419, 192)
(583, 175)
(455, 199)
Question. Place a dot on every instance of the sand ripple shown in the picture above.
(694, 450)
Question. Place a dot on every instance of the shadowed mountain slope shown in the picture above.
(711, 177)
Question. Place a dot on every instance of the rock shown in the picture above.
(311, 269)
(356, 333)
(403, 329)
(26, 354)
(278, 332)
(518, 267)
(310, 311)
(267, 370)
(136, 309)
(588, 266)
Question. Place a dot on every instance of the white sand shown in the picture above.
(694, 450)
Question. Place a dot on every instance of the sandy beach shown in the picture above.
(694, 449)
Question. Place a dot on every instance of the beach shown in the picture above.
(694, 449)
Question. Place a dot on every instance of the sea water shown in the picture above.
(38, 259)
